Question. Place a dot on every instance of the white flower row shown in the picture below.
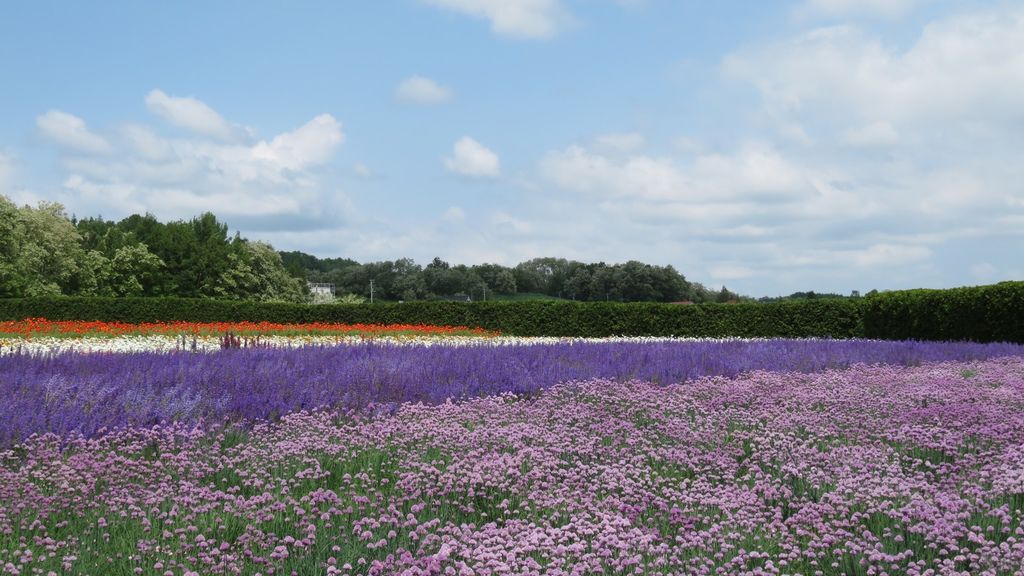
(164, 343)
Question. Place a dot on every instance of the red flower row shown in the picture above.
(44, 327)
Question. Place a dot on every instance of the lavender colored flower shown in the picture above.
(868, 470)
(76, 393)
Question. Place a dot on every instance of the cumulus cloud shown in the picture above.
(471, 158)
(731, 272)
(754, 171)
(514, 18)
(508, 222)
(874, 134)
(275, 178)
(889, 255)
(70, 132)
(964, 68)
(311, 144)
(194, 116)
(422, 90)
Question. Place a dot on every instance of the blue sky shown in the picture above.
(828, 145)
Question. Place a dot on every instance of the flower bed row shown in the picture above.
(871, 470)
(35, 327)
(71, 393)
(43, 345)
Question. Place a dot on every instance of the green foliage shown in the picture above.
(992, 313)
(350, 299)
(983, 314)
(255, 271)
(40, 252)
(43, 253)
(133, 270)
(556, 278)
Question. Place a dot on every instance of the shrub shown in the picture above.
(819, 318)
(992, 313)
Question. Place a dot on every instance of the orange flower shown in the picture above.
(42, 327)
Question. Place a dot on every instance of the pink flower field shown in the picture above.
(868, 470)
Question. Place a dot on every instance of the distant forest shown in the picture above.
(45, 252)
(554, 278)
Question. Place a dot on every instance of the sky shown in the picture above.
(771, 147)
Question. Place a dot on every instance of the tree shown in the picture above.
(547, 274)
(578, 286)
(40, 253)
(407, 280)
(256, 272)
(440, 279)
(13, 279)
(723, 295)
(529, 278)
(498, 278)
(209, 263)
(133, 271)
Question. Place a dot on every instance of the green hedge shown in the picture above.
(992, 313)
(982, 314)
(825, 318)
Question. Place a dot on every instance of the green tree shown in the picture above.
(133, 271)
(407, 280)
(498, 278)
(13, 279)
(256, 272)
(724, 295)
(440, 279)
(40, 254)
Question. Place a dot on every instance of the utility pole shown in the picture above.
(371, 290)
(484, 286)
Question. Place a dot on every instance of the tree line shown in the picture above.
(44, 252)
(556, 278)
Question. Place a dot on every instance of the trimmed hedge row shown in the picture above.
(824, 318)
(983, 314)
(992, 313)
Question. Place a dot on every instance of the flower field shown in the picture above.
(36, 327)
(469, 455)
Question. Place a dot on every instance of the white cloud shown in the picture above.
(754, 171)
(915, 154)
(846, 8)
(688, 145)
(514, 18)
(874, 134)
(422, 90)
(965, 68)
(507, 222)
(178, 178)
(70, 132)
(146, 142)
(890, 255)
(471, 158)
(731, 272)
(311, 144)
(620, 141)
(193, 115)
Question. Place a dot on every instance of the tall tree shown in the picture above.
(41, 251)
